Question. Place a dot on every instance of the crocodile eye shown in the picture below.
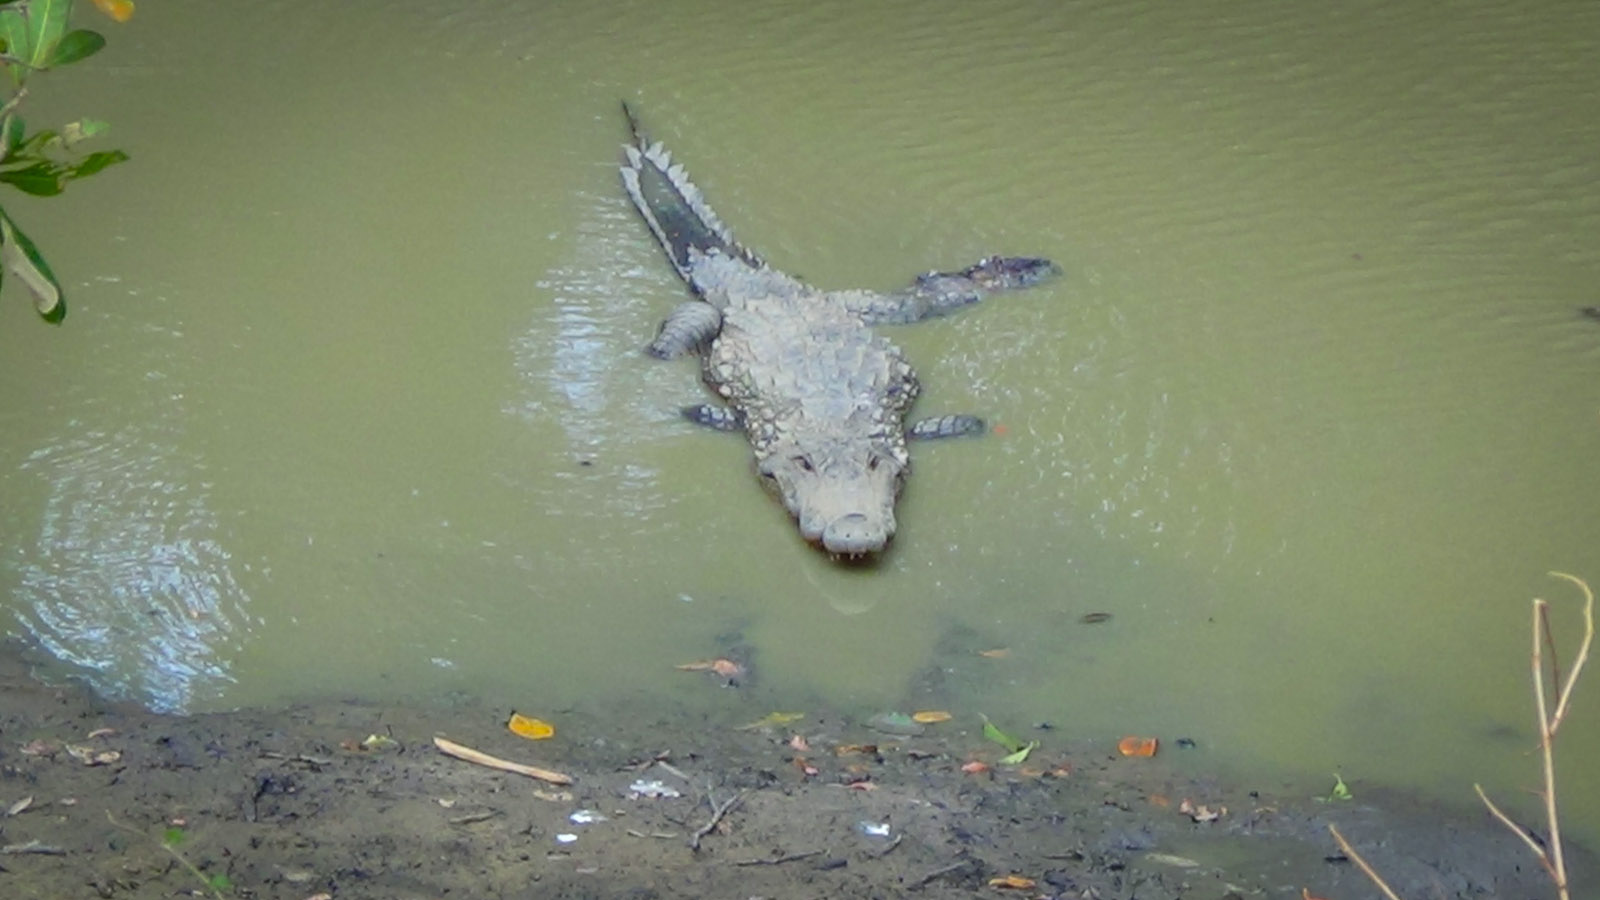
(804, 462)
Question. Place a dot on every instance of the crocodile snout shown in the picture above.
(855, 534)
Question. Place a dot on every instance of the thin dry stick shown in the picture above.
(1366, 869)
(451, 748)
(173, 852)
(1565, 696)
(717, 812)
(1553, 860)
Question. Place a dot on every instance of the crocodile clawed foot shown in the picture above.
(945, 427)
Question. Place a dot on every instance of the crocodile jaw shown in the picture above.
(841, 492)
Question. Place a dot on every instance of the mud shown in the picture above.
(297, 803)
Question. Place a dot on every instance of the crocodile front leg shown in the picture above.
(720, 418)
(940, 293)
(689, 327)
(944, 427)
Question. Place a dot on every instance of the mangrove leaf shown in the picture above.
(21, 258)
(75, 45)
(42, 179)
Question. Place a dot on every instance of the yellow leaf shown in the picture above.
(930, 716)
(996, 653)
(120, 10)
(771, 720)
(1016, 882)
(532, 729)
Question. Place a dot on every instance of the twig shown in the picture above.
(889, 849)
(451, 748)
(1366, 869)
(939, 873)
(173, 851)
(787, 857)
(717, 812)
(1583, 650)
(1518, 830)
(1553, 859)
(33, 846)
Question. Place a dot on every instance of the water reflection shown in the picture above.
(127, 577)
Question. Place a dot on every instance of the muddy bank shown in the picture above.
(297, 803)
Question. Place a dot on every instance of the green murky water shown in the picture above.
(351, 397)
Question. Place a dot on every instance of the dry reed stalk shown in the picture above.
(1549, 723)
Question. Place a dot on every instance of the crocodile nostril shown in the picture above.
(854, 534)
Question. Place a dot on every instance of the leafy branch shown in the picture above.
(35, 37)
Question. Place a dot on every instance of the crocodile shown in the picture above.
(821, 398)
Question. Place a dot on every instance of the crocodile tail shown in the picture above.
(673, 207)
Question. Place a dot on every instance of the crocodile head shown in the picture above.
(996, 273)
(841, 490)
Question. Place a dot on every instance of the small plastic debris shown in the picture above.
(1201, 813)
(873, 829)
(566, 838)
(652, 789)
(586, 817)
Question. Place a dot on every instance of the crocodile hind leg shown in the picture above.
(944, 427)
(941, 293)
(689, 327)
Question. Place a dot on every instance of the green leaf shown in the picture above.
(21, 258)
(81, 130)
(14, 37)
(1340, 790)
(219, 882)
(11, 131)
(94, 162)
(47, 22)
(1020, 755)
(75, 45)
(42, 179)
(1000, 737)
(173, 836)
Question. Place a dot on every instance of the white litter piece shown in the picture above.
(642, 788)
(566, 838)
(873, 829)
(585, 817)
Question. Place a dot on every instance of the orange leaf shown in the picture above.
(532, 729)
(727, 668)
(930, 716)
(1305, 894)
(120, 10)
(975, 767)
(1015, 882)
(1137, 746)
